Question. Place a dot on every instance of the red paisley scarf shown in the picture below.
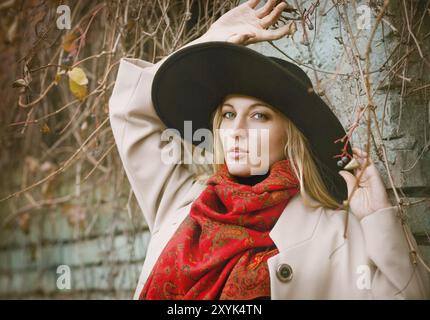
(221, 248)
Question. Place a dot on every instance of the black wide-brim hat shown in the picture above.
(193, 81)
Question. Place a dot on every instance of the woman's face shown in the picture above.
(256, 130)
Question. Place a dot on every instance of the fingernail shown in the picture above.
(353, 164)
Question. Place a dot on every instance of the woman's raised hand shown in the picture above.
(369, 194)
(245, 25)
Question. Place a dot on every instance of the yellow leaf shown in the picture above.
(78, 75)
(45, 129)
(78, 90)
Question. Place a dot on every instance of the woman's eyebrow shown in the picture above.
(250, 106)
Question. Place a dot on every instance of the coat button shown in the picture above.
(284, 272)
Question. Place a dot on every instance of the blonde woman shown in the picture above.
(263, 225)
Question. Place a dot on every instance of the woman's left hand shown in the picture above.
(370, 194)
(245, 24)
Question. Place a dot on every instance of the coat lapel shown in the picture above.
(296, 225)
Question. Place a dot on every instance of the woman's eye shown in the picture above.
(259, 116)
(228, 115)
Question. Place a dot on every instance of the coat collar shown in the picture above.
(296, 224)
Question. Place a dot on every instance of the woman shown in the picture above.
(272, 230)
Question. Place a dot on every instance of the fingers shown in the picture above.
(350, 180)
(366, 164)
(361, 155)
(271, 18)
(266, 9)
(359, 152)
(252, 3)
(275, 34)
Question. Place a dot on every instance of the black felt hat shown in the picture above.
(193, 81)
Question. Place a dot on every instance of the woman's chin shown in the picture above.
(238, 169)
(243, 167)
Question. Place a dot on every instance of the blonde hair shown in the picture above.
(296, 149)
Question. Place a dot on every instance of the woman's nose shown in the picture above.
(239, 128)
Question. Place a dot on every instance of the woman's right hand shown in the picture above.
(245, 25)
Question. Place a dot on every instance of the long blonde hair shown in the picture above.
(296, 149)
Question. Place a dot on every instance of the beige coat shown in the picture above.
(373, 262)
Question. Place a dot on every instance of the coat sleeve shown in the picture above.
(396, 276)
(159, 187)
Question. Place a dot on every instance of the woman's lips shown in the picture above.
(237, 154)
(237, 149)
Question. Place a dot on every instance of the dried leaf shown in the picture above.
(20, 83)
(292, 28)
(69, 43)
(78, 83)
(78, 91)
(78, 75)
(27, 74)
(84, 126)
(45, 129)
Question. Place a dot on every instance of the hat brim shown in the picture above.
(193, 81)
